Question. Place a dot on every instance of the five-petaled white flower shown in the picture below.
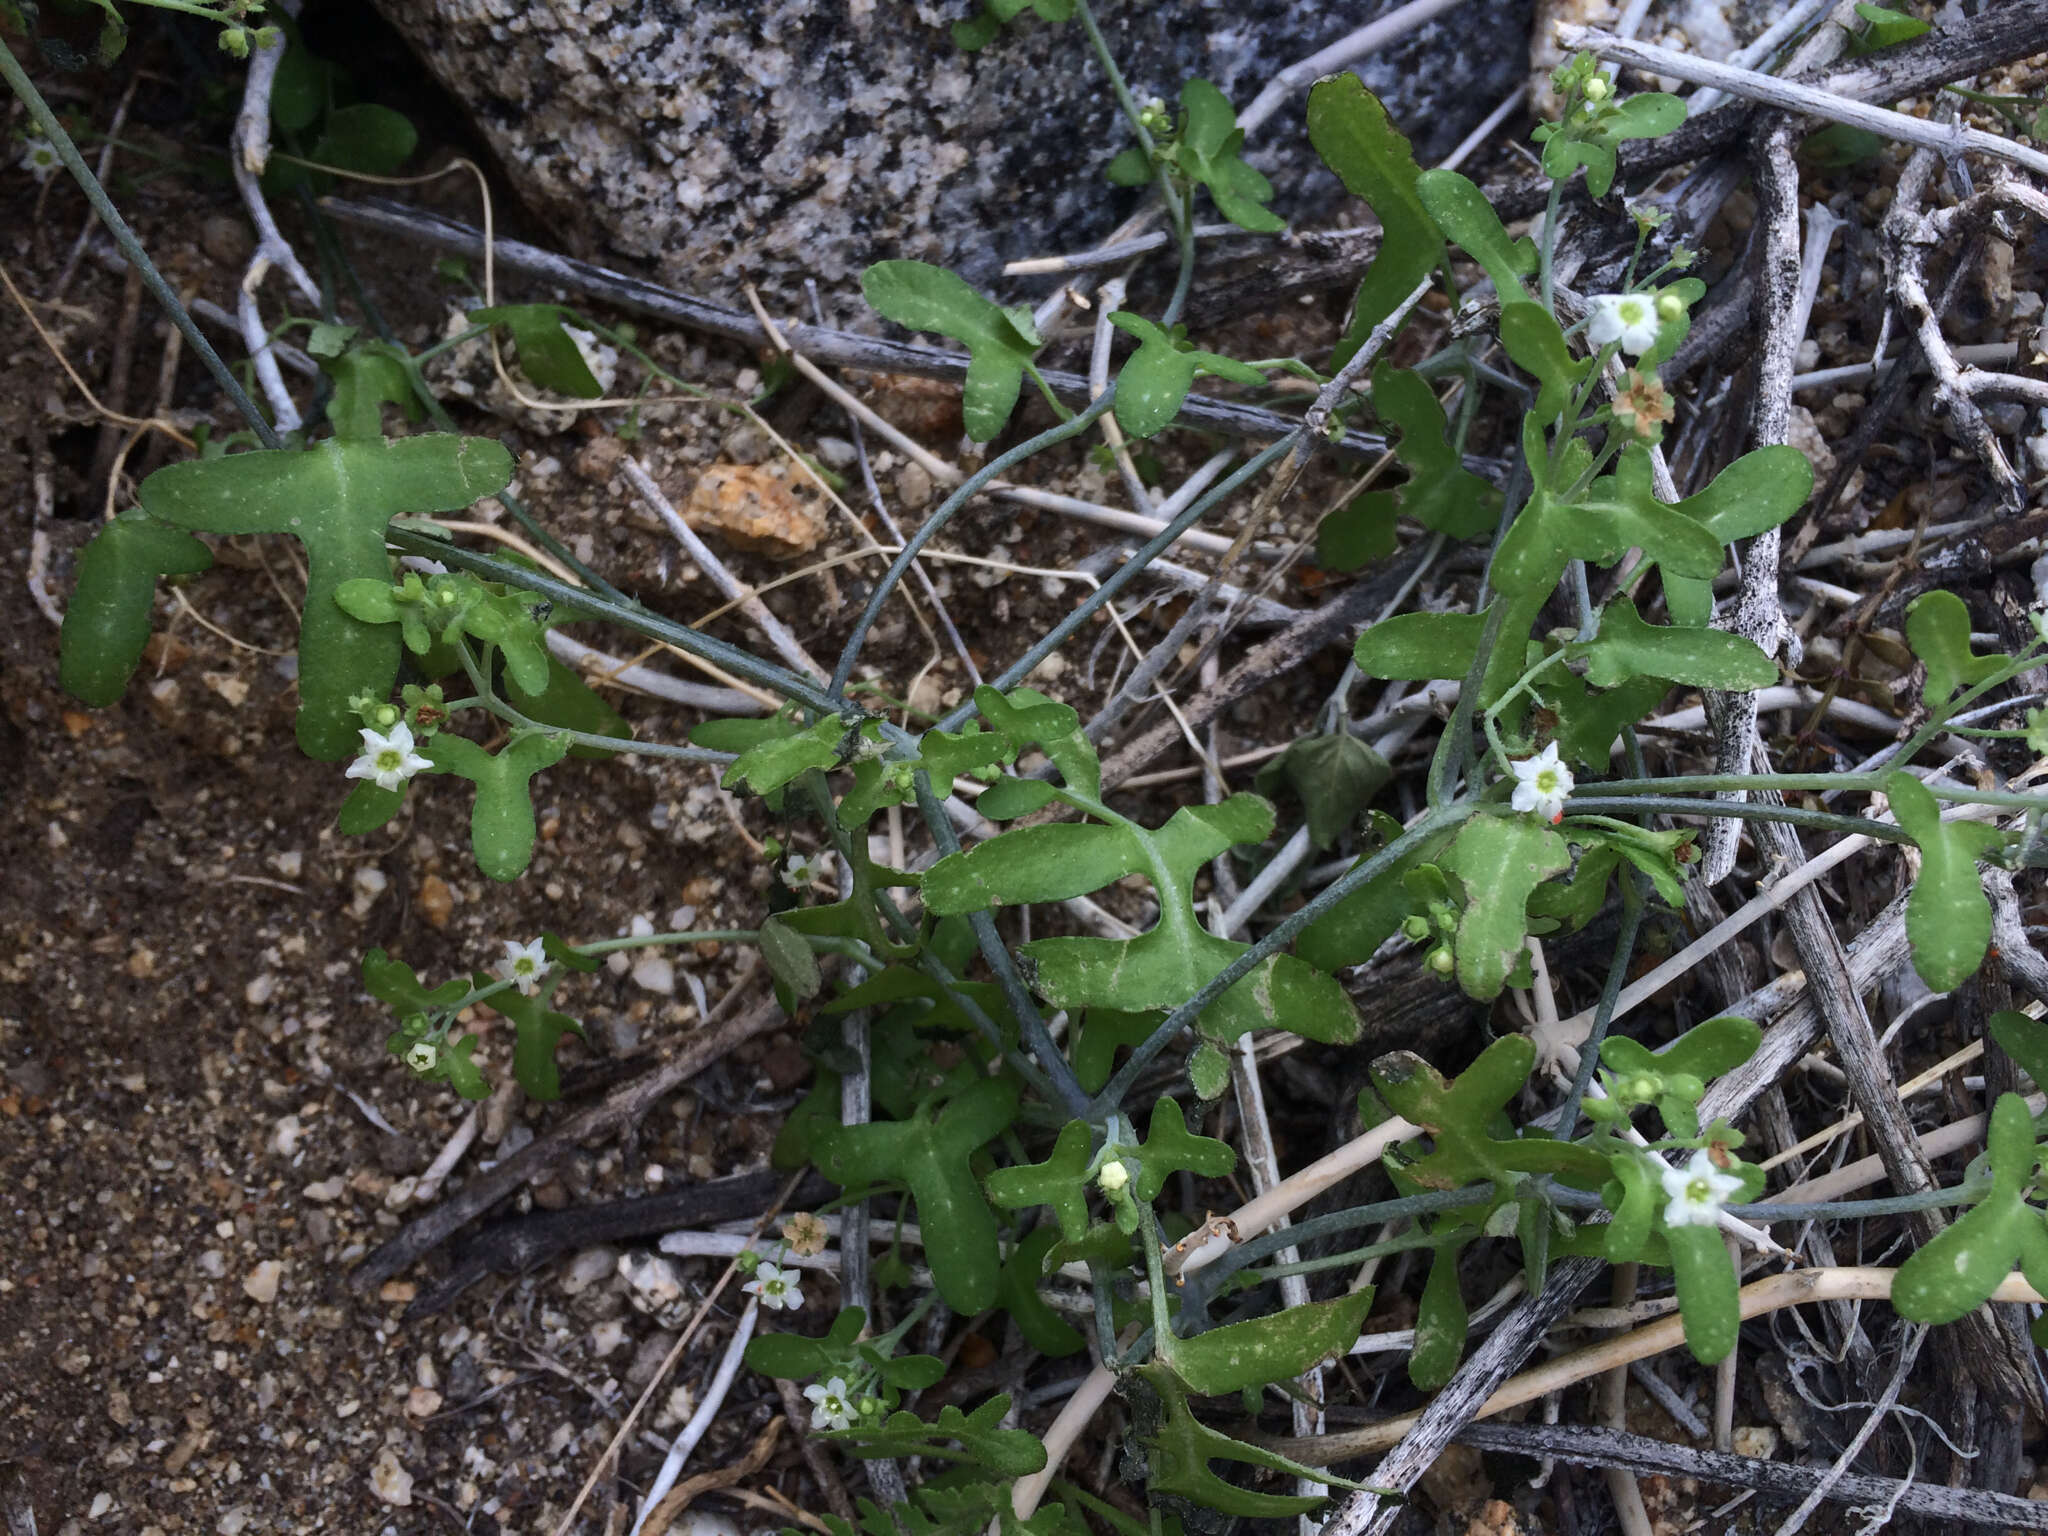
(1627, 318)
(831, 1408)
(800, 869)
(776, 1287)
(1542, 783)
(39, 159)
(1696, 1191)
(422, 1056)
(524, 965)
(388, 761)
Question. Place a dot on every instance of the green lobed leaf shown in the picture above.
(1208, 151)
(365, 378)
(1350, 129)
(337, 499)
(1335, 778)
(1350, 932)
(923, 297)
(1043, 1329)
(1501, 860)
(953, 1436)
(929, 1154)
(1620, 511)
(394, 982)
(1359, 532)
(2025, 1040)
(1420, 647)
(1179, 1448)
(538, 1030)
(106, 623)
(1938, 630)
(1948, 916)
(1758, 492)
(775, 759)
(1009, 798)
(1170, 1148)
(1441, 494)
(501, 822)
(1627, 647)
(1532, 337)
(1061, 1181)
(571, 703)
(1650, 115)
(1155, 379)
(1588, 722)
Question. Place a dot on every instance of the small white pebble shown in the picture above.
(389, 1480)
(284, 1136)
(326, 1190)
(259, 990)
(607, 1336)
(260, 1284)
(655, 974)
(212, 1263)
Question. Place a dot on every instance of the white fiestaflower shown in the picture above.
(1542, 784)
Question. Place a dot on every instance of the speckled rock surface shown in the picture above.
(767, 140)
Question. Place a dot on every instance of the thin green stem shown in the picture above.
(900, 566)
(1741, 810)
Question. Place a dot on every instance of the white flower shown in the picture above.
(777, 1288)
(1628, 318)
(1542, 783)
(388, 760)
(422, 1056)
(39, 159)
(1113, 1176)
(524, 965)
(830, 1406)
(799, 870)
(1697, 1191)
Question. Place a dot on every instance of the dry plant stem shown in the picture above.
(786, 645)
(1792, 1289)
(663, 1516)
(1771, 91)
(668, 1364)
(115, 125)
(1621, 1483)
(820, 343)
(437, 1171)
(707, 1411)
(623, 1105)
(2025, 966)
(1583, 1445)
(1758, 617)
(1914, 1339)
(600, 668)
(250, 153)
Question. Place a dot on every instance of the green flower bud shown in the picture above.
(1442, 961)
(1598, 89)
(1113, 1176)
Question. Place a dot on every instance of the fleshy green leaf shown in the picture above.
(548, 354)
(1938, 630)
(1588, 722)
(106, 624)
(1155, 379)
(1420, 647)
(1061, 1181)
(929, 1154)
(1010, 798)
(1650, 115)
(501, 824)
(1170, 1148)
(1884, 28)
(1963, 1264)
(1352, 132)
(790, 960)
(1267, 1349)
(1441, 1323)
(1334, 777)
(539, 1028)
(365, 138)
(1359, 532)
(1532, 338)
(1500, 860)
(1441, 494)
(1759, 491)
(1179, 1448)
(1351, 931)
(1462, 212)
(394, 982)
(1948, 916)
(337, 499)
(1619, 512)
(1043, 1329)
(1208, 152)
(1626, 647)
(1000, 342)
(1709, 1297)
(368, 807)
(777, 758)
(979, 1436)
(365, 377)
